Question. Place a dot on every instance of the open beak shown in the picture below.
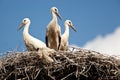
(59, 16)
(73, 27)
(21, 25)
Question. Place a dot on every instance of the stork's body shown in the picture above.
(32, 44)
(65, 36)
(53, 31)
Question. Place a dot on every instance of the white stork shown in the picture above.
(65, 35)
(53, 31)
(32, 44)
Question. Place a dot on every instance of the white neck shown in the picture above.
(54, 17)
(26, 28)
(66, 33)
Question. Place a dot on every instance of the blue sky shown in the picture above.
(90, 17)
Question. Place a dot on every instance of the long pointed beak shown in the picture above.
(21, 25)
(73, 27)
(59, 16)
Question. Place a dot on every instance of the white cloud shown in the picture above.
(109, 44)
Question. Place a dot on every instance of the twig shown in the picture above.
(27, 74)
(50, 75)
(67, 58)
(67, 76)
(37, 73)
(8, 76)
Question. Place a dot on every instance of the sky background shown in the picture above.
(97, 22)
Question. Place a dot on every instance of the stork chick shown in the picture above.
(53, 31)
(32, 44)
(65, 35)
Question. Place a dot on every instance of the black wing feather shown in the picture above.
(46, 40)
(59, 42)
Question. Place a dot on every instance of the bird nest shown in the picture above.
(77, 64)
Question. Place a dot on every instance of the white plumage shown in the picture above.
(32, 44)
(53, 31)
(65, 35)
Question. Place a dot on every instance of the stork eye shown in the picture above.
(24, 20)
(69, 22)
(55, 9)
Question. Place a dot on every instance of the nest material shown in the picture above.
(78, 64)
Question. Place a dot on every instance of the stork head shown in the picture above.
(69, 23)
(24, 22)
(55, 11)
